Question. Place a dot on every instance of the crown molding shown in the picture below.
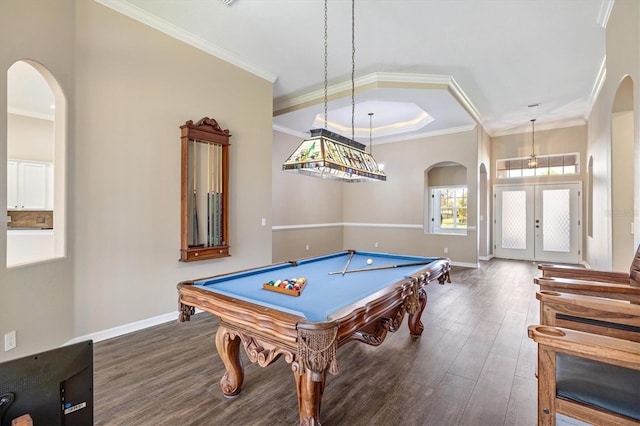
(288, 131)
(377, 79)
(606, 6)
(413, 136)
(140, 15)
(463, 99)
(392, 138)
(541, 127)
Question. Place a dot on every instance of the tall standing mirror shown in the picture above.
(204, 191)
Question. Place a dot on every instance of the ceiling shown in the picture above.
(422, 67)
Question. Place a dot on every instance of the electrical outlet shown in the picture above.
(264, 221)
(375, 244)
(9, 341)
(446, 250)
(307, 247)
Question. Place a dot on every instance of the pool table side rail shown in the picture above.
(268, 322)
(259, 269)
(384, 305)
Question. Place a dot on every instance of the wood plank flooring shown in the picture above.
(473, 365)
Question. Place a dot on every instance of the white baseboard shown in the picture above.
(465, 264)
(121, 330)
(126, 328)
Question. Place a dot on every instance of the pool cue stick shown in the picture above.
(348, 262)
(375, 268)
(220, 195)
(208, 195)
(196, 231)
(216, 196)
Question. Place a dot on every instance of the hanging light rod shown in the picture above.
(533, 160)
(328, 155)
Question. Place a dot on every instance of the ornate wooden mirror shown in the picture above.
(204, 191)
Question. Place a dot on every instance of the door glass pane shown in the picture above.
(514, 220)
(556, 224)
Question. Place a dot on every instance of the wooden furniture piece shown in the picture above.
(590, 377)
(561, 271)
(588, 359)
(612, 285)
(307, 330)
(614, 318)
(204, 206)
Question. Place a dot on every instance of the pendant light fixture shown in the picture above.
(533, 160)
(328, 155)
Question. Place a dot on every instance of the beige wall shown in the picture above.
(300, 205)
(447, 175)
(623, 59)
(484, 193)
(622, 177)
(330, 216)
(392, 213)
(129, 89)
(37, 301)
(555, 141)
(29, 138)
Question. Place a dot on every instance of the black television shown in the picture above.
(54, 387)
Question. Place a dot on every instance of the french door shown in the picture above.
(538, 222)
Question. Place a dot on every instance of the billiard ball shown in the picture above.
(369, 261)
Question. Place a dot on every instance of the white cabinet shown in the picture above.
(28, 186)
(12, 184)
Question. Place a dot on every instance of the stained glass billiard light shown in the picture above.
(328, 155)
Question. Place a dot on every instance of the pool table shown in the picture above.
(349, 295)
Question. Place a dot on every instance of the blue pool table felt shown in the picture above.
(324, 293)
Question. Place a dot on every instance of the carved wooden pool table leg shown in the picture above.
(309, 395)
(415, 324)
(228, 345)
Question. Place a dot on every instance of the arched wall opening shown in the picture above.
(36, 169)
(624, 180)
(445, 199)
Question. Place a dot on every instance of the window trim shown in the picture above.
(539, 171)
(434, 210)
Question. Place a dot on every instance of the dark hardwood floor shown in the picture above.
(473, 365)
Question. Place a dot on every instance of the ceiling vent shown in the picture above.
(227, 2)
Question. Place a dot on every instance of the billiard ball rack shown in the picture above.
(291, 287)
